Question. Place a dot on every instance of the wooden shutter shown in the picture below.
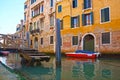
(72, 25)
(102, 15)
(106, 14)
(84, 6)
(92, 18)
(83, 19)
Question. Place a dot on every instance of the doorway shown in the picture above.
(88, 43)
(36, 43)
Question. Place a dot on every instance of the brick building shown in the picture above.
(39, 18)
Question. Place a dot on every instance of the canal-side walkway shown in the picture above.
(5, 74)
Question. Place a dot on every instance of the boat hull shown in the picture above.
(4, 53)
(79, 55)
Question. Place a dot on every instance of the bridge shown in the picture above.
(10, 41)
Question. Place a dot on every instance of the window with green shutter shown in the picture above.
(106, 38)
(75, 21)
(87, 4)
(74, 40)
(105, 15)
(74, 3)
(87, 19)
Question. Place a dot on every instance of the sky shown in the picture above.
(11, 12)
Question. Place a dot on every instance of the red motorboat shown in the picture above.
(83, 54)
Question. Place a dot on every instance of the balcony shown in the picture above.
(51, 10)
(36, 3)
(35, 15)
(35, 31)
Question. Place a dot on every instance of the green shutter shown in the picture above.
(106, 14)
(83, 20)
(72, 22)
(84, 4)
(102, 15)
(92, 18)
(78, 20)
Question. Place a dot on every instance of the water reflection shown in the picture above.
(71, 69)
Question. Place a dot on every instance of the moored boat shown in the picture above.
(83, 54)
(4, 53)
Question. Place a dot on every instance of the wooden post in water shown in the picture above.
(58, 44)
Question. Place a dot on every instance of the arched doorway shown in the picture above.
(88, 42)
(36, 43)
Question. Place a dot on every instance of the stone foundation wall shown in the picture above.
(114, 46)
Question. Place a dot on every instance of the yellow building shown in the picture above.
(92, 25)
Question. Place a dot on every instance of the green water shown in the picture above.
(71, 69)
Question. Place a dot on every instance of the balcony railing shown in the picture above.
(35, 31)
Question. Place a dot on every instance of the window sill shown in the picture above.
(105, 22)
(88, 25)
(87, 9)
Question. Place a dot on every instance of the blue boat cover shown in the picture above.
(83, 51)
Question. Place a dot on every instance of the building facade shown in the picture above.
(19, 36)
(92, 25)
(39, 18)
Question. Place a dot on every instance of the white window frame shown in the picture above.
(72, 40)
(110, 39)
(109, 15)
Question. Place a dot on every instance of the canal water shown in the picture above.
(71, 69)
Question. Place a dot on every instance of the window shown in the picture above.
(87, 4)
(32, 13)
(30, 29)
(61, 24)
(51, 3)
(59, 8)
(25, 6)
(38, 24)
(41, 23)
(32, 1)
(41, 41)
(75, 40)
(35, 25)
(36, 11)
(24, 17)
(105, 16)
(41, 8)
(51, 20)
(87, 19)
(51, 39)
(75, 21)
(74, 3)
(106, 38)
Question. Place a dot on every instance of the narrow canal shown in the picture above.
(71, 69)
